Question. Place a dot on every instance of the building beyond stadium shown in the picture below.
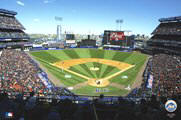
(12, 33)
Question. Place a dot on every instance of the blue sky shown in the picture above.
(92, 16)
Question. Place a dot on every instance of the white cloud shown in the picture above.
(36, 20)
(20, 3)
(48, 1)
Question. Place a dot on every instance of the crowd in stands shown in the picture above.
(13, 34)
(166, 38)
(9, 22)
(166, 71)
(171, 38)
(15, 43)
(18, 72)
(171, 28)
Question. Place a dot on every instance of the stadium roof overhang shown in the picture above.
(7, 12)
(170, 19)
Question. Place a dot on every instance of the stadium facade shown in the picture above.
(167, 36)
(161, 79)
(12, 33)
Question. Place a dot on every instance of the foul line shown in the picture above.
(85, 77)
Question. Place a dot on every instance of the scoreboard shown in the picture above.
(113, 37)
(117, 38)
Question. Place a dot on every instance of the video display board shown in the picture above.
(117, 36)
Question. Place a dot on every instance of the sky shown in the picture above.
(91, 16)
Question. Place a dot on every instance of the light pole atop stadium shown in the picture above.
(119, 22)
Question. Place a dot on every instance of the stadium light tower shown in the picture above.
(59, 28)
(119, 22)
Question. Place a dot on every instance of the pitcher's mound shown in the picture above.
(98, 82)
(94, 68)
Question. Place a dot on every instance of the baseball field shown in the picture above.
(93, 71)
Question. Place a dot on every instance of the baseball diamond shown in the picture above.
(111, 69)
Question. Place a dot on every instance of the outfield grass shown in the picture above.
(46, 58)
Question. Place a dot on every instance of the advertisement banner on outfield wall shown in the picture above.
(150, 81)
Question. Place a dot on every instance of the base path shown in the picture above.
(139, 78)
(68, 63)
(101, 82)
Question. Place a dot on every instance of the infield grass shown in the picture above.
(46, 58)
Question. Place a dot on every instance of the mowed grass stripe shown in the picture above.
(115, 70)
(107, 55)
(89, 65)
(121, 56)
(97, 54)
(102, 70)
(117, 58)
(61, 75)
(59, 54)
(63, 56)
(135, 58)
(80, 70)
(100, 66)
(72, 54)
(131, 73)
(44, 55)
(108, 70)
(85, 54)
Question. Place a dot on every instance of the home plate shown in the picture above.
(124, 77)
(70, 88)
(68, 76)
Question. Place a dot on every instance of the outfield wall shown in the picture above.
(118, 50)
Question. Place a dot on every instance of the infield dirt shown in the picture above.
(101, 82)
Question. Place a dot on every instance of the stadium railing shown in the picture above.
(49, 96)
